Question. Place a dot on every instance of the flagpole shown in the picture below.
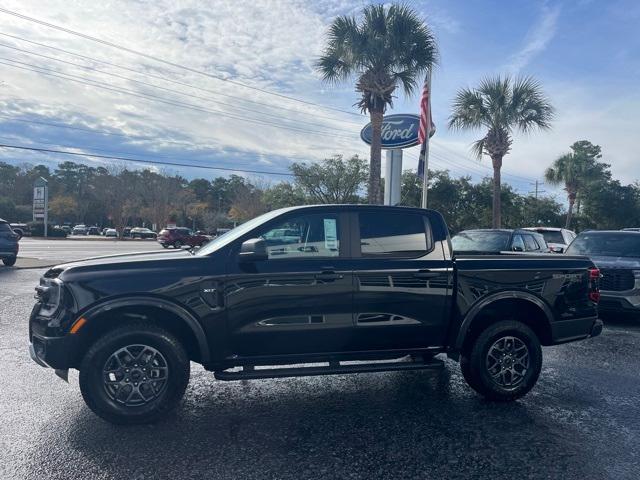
(425, 173)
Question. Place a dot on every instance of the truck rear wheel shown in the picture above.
(504, 361)
(134, 374)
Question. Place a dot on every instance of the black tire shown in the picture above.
(166, 396)
(9, 261)
(511, 379)
(177, 244)
(164, 245)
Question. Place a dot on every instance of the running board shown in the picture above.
(333, 368)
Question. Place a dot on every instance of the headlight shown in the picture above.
(49, 294)
(636, 274)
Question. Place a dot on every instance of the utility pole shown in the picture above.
(536, 192)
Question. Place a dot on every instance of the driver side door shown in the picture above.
(299, 299)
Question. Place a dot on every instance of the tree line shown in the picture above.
(121, 197)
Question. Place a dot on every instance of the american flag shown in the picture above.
(425, 113)
(426, 122)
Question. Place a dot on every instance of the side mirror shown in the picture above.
(253, 250)
(516, 248)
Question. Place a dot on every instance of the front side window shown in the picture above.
(531, 243)
(305, 236)
(392, 234)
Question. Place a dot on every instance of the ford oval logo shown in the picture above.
(398, 131)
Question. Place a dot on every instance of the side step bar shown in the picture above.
(333, 368)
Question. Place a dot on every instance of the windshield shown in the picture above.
(481, 241)
(606, 244)
(552, 236)
(237, 232)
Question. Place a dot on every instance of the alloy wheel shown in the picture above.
(135, 375)
(507, 362)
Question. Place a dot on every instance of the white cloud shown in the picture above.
(536, 40)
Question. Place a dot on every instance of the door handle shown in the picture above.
(329, 275)
(425, 274)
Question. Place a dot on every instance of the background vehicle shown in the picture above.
(496, 241)
(93, 231)
(111, 232)
(79, 230)
(8, 244)
(178, 237)
(22, 229)
(371, 283)
(139, 232)
(617, 255)
(558, 239)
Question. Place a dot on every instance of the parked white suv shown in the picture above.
(558, 239)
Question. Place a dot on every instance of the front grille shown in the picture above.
(616, 280)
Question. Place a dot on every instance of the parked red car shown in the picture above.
(177, 237)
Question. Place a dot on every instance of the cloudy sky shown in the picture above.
(169, 81)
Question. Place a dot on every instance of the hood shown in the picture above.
(126, 258)
(628, 263)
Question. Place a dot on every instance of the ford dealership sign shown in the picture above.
(398, 131)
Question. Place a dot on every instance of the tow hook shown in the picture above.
(63, 374)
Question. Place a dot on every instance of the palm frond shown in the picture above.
(468, 110)
(477, 148)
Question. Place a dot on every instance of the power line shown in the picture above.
(138, 160)
(172, 90)
(139, 137)
(104, 86)
(459, 155)
(176, 82)
(167, 62)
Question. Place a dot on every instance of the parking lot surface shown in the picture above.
(66, 250)
(581, 421)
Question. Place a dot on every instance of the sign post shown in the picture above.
(41, 202)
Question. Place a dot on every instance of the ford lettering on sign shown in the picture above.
(398, 131)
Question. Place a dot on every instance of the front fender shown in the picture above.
(151, 301)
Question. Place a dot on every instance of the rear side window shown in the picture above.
(393, 234)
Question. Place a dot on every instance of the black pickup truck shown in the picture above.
(307, 290)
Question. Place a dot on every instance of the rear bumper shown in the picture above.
(576, 329)
(55, 352)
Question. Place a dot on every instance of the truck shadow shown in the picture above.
(395, 425)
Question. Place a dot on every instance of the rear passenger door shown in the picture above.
(401, 281)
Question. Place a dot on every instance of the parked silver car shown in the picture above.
(558, 239)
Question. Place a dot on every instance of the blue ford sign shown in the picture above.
(398, 131)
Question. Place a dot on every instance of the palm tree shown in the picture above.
(566, 170)
(390, 47)
(576, 170)
(502, 106)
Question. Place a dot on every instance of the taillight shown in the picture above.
(594, 284)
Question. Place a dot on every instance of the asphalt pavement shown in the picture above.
(581, 421)
(38, 253)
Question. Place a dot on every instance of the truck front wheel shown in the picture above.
(503, 363)
(134, 374)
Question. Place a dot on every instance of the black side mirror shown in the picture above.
(253, 250)
(517, 248)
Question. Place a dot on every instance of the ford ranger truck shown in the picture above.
(312, 290)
